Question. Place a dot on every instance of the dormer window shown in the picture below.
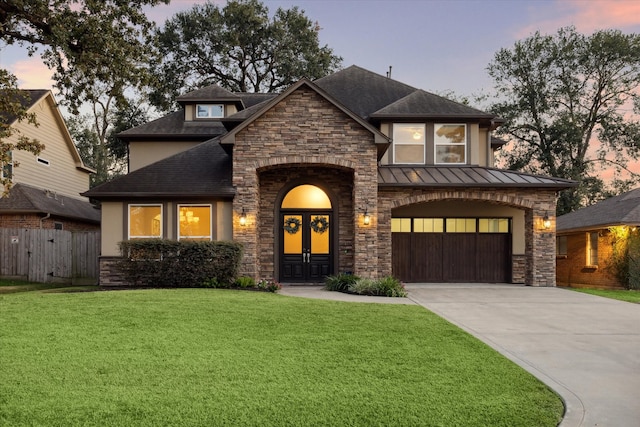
(409, 143)
(450, 144)
(209, 111)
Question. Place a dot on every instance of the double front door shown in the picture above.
(306, 240)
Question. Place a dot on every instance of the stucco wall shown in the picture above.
(143, 153)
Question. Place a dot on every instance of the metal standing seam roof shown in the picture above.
(466, 176)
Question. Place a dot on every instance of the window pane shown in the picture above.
(145, 221)
(450, 134)
(320, 238)
(428, 225)
(450, 154)
(493, 225)
(461, 225)
(292, 234)
(401, 225)
(561, 245)
(307, 197)
(194, 222)
(409, 154)
(592, 248)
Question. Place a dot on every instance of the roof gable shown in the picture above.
(229, 138)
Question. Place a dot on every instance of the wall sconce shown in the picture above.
(546, 222)
(243, 218)
(366, 219)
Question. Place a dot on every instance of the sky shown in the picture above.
(441, 46)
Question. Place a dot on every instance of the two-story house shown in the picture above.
(354, 172)
(46, 188)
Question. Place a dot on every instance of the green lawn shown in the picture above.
(622, 295)
(204, 357)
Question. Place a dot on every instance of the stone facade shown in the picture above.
(305, 138)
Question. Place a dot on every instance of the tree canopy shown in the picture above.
(569, 102)
(238, 47)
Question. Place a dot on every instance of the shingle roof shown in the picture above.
(208, 93)
(421, 104)
(202, 171)
(25, 198)
(619, 210)
(363, 91)
(27, 98)
(174, 125)
(463, 176)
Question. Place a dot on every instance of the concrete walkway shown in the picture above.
(586, 348)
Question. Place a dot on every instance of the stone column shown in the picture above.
(247, 199)
(542, 255)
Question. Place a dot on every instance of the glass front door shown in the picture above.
(306, 246)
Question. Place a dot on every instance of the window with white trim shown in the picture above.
(145, 221)
(209, 111)
(6, 172)
(409, 143)
(450, 144)
(194, 222)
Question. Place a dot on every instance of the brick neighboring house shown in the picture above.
(584, 242)
(46, 188)
(353, 172)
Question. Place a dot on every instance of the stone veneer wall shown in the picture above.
(540, 243)
(305, 130)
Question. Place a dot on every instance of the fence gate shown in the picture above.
(49, 255)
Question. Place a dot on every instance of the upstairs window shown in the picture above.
(409, 143)
(209, 111)
(450, 144)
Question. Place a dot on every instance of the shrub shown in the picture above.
(340, 282)
(387, 287)
(169, 263)
(269, 285)
(245, 282)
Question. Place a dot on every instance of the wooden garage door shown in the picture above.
(483, 255)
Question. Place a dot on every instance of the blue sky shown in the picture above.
(435, 45)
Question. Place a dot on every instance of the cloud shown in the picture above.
(586, 16)
(32, 74)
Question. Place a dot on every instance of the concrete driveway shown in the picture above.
(584, 347)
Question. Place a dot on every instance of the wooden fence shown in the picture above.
(50, 255)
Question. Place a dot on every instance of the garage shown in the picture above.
(452, 249)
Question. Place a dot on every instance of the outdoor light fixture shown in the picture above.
(546, 222)
(366, 218)
(243, 218)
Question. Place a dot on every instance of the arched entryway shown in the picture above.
(306, 235)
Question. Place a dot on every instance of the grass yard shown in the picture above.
(204, 357)
(622, 294)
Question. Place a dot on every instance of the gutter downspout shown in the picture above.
(47, 216)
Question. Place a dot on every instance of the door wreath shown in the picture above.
(319, 224)
(292, 225)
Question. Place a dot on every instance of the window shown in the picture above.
(561, 245)
(209, 111)
(461, 225)
(7, 169)
(408, 143)
(58, 226)
(428, 225)
(592, 248)
(493, 225)
(145, 221)
(401, 225)
(194, 222)
(450, 143)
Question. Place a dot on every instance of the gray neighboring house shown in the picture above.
(585, 241)
(353, 172)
